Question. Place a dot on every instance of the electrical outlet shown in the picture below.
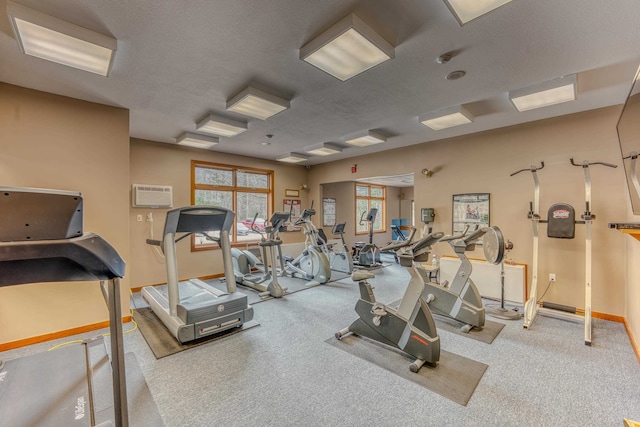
(139, 218)
(552, 277)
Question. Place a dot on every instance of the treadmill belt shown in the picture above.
(46, 389)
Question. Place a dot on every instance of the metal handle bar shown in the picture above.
(457, 236)
(476, 235)
(632, 155)
(531, 169)
(586, 164)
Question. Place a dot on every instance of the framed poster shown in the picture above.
(328, 212)
(293, 206)
(470, 209)
(291, 193)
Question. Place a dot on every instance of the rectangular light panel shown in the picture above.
(257, 103)
(468, 10)
(292, 158)
(545, 94)
(198, 141)
(347, 49)
(59, 41)
(221, 126)
(367, 139)
(324, 149)
(449, 117)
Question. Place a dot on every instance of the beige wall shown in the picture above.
(166, 164)
(482, 163)
(49, 141)
(344, 192)
(632, 280)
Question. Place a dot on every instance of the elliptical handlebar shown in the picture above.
(586, 164)
(531, 169)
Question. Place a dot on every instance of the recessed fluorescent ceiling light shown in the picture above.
(198, 141)
(59, 41)
(468, 10)
(347, 49)
(292, 158)
(221, 126)
(365, 139)
(544, 94)
(324, 149)
(257, 103)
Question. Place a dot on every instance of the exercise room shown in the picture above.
(334, 213)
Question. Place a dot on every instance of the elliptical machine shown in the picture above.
(409, 327)
(367, 254)
(265, 280)
(461, 300)
(312, 264)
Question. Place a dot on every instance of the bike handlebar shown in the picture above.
(455, 236)
(531, 169)
(586, 164)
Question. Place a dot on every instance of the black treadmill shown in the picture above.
(42, 240)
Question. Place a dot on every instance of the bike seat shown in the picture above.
(359, 275)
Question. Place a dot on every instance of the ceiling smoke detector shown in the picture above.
(455, 75)
(444, 58)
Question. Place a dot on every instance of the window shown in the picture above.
(367, 197)
(246, 191)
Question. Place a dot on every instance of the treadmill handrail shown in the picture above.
(85, 258)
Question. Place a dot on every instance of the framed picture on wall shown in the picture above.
(328, 212)
(291, 193)
(470, 210)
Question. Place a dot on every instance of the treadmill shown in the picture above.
(42, 240)
(193, 309)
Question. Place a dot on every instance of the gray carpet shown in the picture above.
(291, 284)
(486, 335)
(160, 340)
(454, 377)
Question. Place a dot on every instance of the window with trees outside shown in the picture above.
(367, 197)
(246, 191)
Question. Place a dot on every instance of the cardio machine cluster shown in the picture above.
(410, 325)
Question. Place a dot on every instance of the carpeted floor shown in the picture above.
(283, 373)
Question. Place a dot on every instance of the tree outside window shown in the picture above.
(246, 191)
(367, 197)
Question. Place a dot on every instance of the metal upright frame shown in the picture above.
(531, 307)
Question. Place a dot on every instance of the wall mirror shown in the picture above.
(628, 128)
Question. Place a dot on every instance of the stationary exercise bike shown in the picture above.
(367, 254)
(409, 327)
(312, 264)
(339, 255)
(250, 271)
(461, 300)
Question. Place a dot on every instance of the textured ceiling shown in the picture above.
(177, 61)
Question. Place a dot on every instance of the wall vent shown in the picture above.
(152, 196)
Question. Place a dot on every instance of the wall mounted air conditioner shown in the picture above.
(152, 196)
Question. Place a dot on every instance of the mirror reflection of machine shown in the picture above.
(367, 254)
(628, 128)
